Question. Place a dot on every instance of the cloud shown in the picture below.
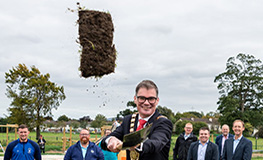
(181, 45)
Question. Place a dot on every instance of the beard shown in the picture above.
(84, 140)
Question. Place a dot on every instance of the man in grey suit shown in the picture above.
(203, 149)
(237, 148)
(220, 140)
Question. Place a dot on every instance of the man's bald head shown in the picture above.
(225, 130)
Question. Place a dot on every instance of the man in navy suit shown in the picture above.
(220, 140)
(157, 146)
(238, 147)
(203, 149)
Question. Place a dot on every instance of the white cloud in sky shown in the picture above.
(181, 45)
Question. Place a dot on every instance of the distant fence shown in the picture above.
(54, 141)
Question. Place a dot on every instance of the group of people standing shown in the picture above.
(226, 147)
(157, 144)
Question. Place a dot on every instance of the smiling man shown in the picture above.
(220, 140)
(84, 149)
(23, 148)
(237, 148)
(157, 146)
(203, 149)
(183, 143)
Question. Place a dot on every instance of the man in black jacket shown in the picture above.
(157, 146)
(183, 143)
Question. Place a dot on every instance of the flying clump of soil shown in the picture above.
(98, 53)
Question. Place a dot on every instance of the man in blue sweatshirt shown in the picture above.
(22, 148)
(84, 149)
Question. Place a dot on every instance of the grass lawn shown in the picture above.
(54, 141)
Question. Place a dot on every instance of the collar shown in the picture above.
(226, 136)
(147, 118)
(22, 142)
(238, 138)
(83, 147)
(205, 142)
(187, 135)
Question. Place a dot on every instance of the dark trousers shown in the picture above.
(42, 149)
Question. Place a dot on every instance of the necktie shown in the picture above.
(141, 124)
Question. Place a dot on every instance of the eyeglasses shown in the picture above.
(142, 99)
(84, 135)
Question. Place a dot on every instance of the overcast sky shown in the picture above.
(180, 45)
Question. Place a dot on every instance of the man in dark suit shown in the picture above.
(203, 149)
(238, 147)
(220, 140)
(157, 146)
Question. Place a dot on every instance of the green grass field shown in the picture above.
(54, 141)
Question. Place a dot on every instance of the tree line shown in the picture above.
(33, 95)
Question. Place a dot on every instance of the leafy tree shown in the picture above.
(99, 121)
(84, 121)
(212, 115)
(83, 124)
(167, 112)
(48, 118)
(85, 118)
(61, 124)
(248, 129)
(177, 116)
(131, 104)
(131, 109)
(75, 124)
(190, 114)
(50, 124)
(241, 90)
(3, 121)
(63, 118)
(259, 134)
(18, 115)
(197, 114)
(186, 115)
(33, 96)
(197, 126)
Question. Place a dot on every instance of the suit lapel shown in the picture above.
(220, 141)
(154, 116)
(151, 120)
(230, 150)
(196, 149)
(239, 144)
(208, 151)
(136, 122)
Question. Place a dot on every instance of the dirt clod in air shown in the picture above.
(98, 53)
